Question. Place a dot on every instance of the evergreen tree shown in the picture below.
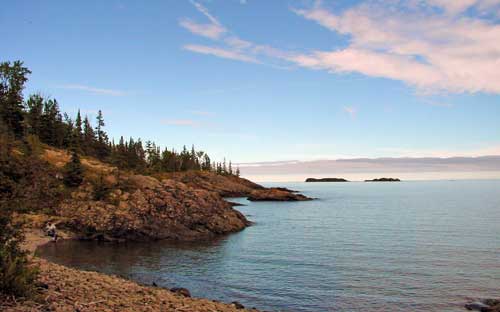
(73, 171)
(102, 149)
(224, 167)
(78, 130)
(16, 276)
(238, 171)
(88, 137)
(34, 111)
(12, 79)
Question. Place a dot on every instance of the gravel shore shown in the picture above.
(67, 289)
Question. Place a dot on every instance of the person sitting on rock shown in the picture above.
(52, 231)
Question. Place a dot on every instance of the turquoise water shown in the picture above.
(409, 246)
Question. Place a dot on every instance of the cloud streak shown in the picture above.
(220, 52)
(212, 30)
(100, 91)
(181, 122)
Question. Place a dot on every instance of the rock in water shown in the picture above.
(476, 306)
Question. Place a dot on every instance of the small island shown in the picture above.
(326, 180)
(384, 180)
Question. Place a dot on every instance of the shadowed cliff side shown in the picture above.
(112, 204)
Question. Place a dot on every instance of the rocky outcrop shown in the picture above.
(275, 194)
(326, 180)
(146, 208)
(225, 186)
(232, 186)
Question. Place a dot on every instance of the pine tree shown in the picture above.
(73, 171)
(238, 171)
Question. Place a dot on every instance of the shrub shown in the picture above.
(73, 171)
(101, 189)
(17, 277)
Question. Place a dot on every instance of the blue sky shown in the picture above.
(272, 80)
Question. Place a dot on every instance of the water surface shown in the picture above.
(409, 246)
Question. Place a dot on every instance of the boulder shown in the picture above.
(181, 291)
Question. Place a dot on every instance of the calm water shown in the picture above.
(409, 246)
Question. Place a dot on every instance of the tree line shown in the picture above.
(40, 118)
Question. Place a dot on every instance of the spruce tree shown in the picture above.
(78, 130)
(88, 137)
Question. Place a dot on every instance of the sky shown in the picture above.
(260, 81)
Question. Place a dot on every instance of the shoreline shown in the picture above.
(68, 289)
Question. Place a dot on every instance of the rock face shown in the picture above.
(326, 180)
(149, 209)
(232, 186)
(384, 180)
(226, 186)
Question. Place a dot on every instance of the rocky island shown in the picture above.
(326, 180)
(384, 180)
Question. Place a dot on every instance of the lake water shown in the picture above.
(409, 246)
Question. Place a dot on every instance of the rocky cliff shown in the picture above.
(115, 205)
(141, 207)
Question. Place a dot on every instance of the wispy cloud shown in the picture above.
(352, 111)
(442, 153)
(93, 90)
(213, 29)
(432, 45)
(229, 46)
(182, 122)
(220, 52)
